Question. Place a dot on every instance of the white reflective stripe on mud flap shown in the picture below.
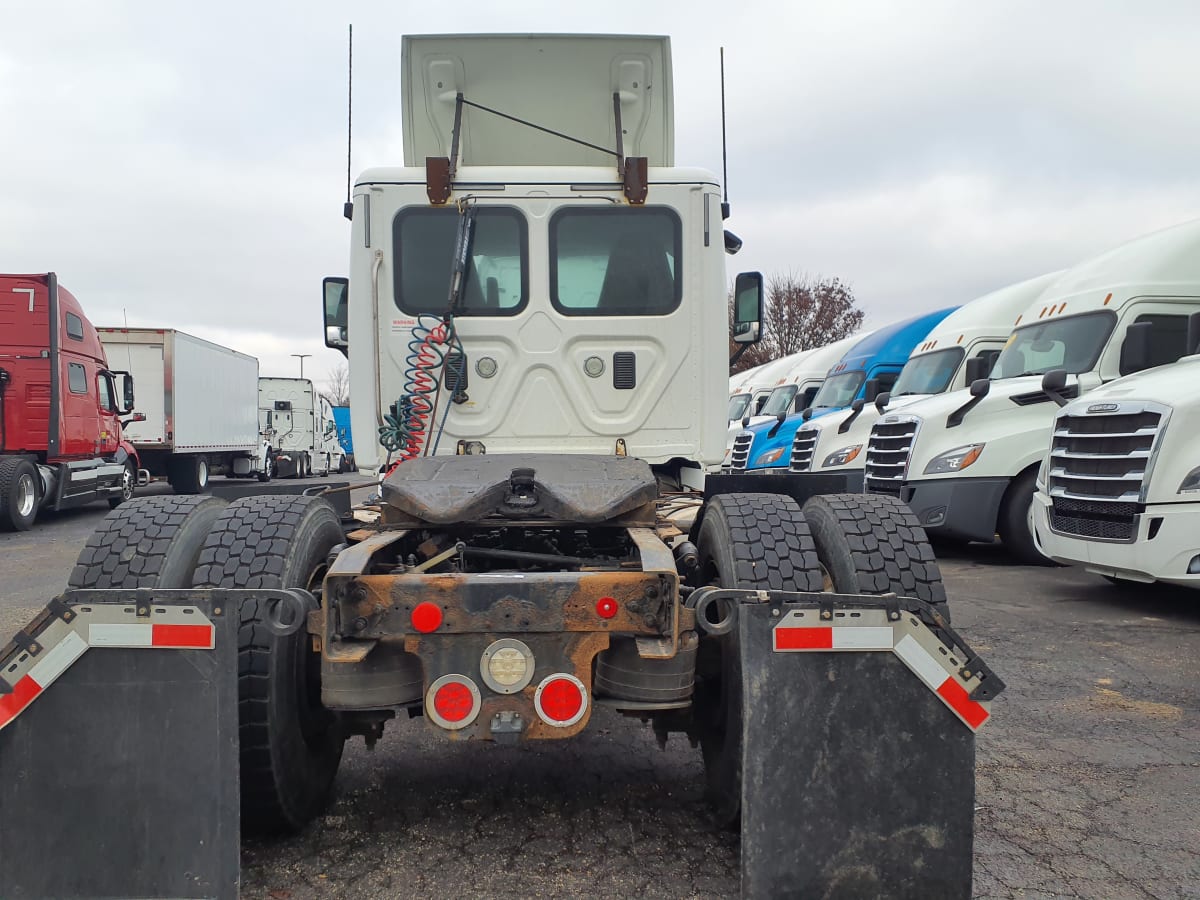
(863, 637)
(120, 635)
(922, 664)
(58, 659)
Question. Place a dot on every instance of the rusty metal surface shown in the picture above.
(510, 602)
(578, 489)
(570, 653)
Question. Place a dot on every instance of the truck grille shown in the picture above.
(888, 450)
(740, 455)
(802, 449)
(1098, 467)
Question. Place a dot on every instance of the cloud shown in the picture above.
(185, 166)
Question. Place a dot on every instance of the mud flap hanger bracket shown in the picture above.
(851, 610)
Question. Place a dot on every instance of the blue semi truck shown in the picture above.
(341, 419)
(868, 368)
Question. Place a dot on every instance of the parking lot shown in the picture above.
(1088, 773)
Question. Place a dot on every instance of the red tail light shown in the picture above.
(560, 700)
(453, 702)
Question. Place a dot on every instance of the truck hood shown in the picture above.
(830, 440)
(1013, 422)
(764, 442)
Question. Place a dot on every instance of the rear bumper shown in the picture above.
(1166, 540)
(959, 508)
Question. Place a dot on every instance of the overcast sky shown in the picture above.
(183, 165)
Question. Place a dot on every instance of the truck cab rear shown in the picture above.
(60, 429)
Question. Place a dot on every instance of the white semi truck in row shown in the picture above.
(1119, 492)
(298, 423)
(967, 462)
(793, 381)
(200, 402)
(960, 349)
(536, 323)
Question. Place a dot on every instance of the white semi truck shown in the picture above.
(741, 391)
(535, 321)
(797, 379)
(200, 402)
(1119, 493)
(966, 462)
(299, 425)
(960, 350)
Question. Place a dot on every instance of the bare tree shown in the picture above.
(338, 384)
(801, 313)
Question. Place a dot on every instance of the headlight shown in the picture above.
(954, 461)
(1191, 481)
(765, 459)
(843, 456)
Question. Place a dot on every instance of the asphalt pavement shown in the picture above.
(1088, 772)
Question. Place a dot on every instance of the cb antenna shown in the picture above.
(724, 152)
(348, 208)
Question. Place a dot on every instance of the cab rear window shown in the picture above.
(497, 282)
(615, 262)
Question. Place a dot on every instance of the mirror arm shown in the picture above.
(1057, 397)
(856, 408)
(778, 424)
(956, 418)
(738, 355)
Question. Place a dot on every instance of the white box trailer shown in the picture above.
(299, 425)
(200, 402)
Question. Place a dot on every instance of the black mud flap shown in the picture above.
(858, 776)
(118, 748)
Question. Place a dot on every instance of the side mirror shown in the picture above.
(1054, 382)
(981, 386)
(882, 400)
(807, 414)
(127, 395)
(336, 292)
(747, 308)
(978, 367)
(1135, 349)
(858, 405)
(733, 243)
(871, 389)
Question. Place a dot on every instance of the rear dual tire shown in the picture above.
(746, 541)
(188, 474)
(290, 746)
(850, 543)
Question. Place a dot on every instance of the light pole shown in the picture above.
(302, 357)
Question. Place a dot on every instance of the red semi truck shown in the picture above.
(61, 442)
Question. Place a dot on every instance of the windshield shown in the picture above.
(1073, 343)
(737, 406)
(780, 400)
(929, 373)
(840, 390)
